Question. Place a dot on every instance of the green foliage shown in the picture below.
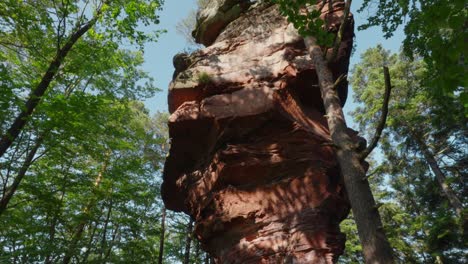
(62, 183)
(92, 188)
(436, 31)
(305, 16)
(204, 78)
(353, 248)
(421, 224)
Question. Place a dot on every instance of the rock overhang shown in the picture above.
(245, 55)
(247, 122)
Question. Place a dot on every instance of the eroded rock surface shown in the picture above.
(250, 158)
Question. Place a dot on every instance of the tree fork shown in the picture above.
(376, 248)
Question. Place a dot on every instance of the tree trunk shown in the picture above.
(52, 228)
(9, 192)
(197, 252)
(109, 248)
(188, 241)
(79, 230)
(90, 242)
(161, 241)
(440, 176)
(376, 248)
(21, 173)
(104, 231)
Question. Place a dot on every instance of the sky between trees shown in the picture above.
(158, 56)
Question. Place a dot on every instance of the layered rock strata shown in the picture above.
(251, 159)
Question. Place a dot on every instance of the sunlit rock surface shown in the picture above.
(251, 159)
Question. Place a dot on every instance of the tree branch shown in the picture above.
(375, 246)
(339, 80)
(339, 36)
(10, 191)
(36, 94)
(383, 116)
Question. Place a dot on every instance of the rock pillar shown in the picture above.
(251, 159)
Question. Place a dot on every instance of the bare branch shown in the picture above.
(339, 80)
(383, 116)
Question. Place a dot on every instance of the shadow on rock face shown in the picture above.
(251, 159)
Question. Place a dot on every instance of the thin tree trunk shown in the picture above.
(111, 244)
(79, 230)
(9, 167)
(197, 252)
(90, 242)
(21, 173)
(104, 232)
(188, 241)
(163, 231)
(440, 176)
(48, 258)
(52, 229)
(376, 248)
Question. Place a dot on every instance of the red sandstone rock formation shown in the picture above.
(251, 159)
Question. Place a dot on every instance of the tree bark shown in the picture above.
(376, 248)
(440, 176)
(104, 231)
(188, 241)
(90, 242)
(163, 231)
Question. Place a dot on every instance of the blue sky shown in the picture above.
(158, 56)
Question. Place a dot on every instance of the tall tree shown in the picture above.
(92, 223)
(413, 113)
(375, 245)
(52, 50)
(161, 238)
(434, 30)
(424, 147)
(188, 242)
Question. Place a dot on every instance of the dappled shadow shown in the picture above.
(251, 159)
(261, 176)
